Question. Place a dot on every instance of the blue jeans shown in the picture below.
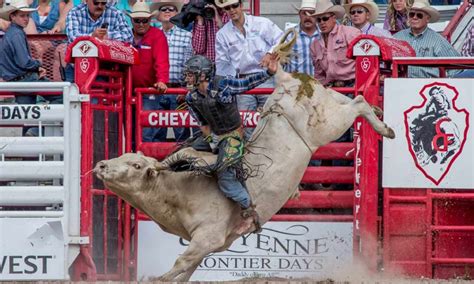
(162, 102)
(232, 187)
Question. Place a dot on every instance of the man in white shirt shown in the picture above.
(241, 46)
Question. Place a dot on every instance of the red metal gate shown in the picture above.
(102, 70)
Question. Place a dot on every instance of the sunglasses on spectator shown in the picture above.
(97, 3)
(141, 21)
(167, 9)
(357, 11)
(323, 19)
(233, 6)
(418, 15)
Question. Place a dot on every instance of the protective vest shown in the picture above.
(222, 118)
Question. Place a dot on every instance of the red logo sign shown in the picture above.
(436, 130)
(366, 47)
(84, 48)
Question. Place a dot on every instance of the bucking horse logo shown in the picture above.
(436, 130)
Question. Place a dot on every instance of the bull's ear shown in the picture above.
(152, 172)
(140, 153)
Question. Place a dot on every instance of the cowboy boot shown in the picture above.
(250, 212)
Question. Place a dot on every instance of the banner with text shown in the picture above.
(32, 249)
(282, 249)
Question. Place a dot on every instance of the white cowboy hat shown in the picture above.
(367, 4)
(224, 3)
(141, 10)
(326, 6)
(14, 5)
(156, 5)
(423, 5)
(306, 5)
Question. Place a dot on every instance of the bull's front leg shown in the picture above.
(203, 242)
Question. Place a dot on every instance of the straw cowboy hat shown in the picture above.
(14, 5)
(223, 3)
(141, 10)
(326, 6)
(367, 4)
(306, 5)
(423, 5)
(158, 4)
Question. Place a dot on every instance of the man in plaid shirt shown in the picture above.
(98, 19)
(180, 50)
(204, 33)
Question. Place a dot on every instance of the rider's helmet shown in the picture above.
(196, 66)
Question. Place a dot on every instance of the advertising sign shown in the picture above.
(282, 249)
(35, 251)
(432, 119)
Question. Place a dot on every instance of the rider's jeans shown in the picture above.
(232, 188)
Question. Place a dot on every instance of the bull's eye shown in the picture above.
(136, 166)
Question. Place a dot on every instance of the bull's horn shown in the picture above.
(284, 47)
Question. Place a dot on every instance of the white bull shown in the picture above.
(298, 118)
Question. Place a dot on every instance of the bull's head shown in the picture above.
(129, 173)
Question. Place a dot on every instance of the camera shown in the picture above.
(190, 11)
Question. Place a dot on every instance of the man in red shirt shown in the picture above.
(153, 70)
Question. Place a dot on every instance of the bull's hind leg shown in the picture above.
(204, 242)
(343, 99)
(366, 111)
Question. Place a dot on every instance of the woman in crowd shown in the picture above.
(51, 15)
(396, 18)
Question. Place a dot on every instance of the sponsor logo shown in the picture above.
(84, 65)
(436, 130)
(365, 64)
(366, 47)
(85, 48)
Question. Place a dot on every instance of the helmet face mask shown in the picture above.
(195, 67)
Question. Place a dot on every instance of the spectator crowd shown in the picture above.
(238, 43)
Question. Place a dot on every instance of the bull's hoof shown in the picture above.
(391, 133)
(378, 111)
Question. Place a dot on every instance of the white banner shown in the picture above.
(433, 121)
(32, 249)
(282, 249)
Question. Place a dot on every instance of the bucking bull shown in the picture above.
(299, 117)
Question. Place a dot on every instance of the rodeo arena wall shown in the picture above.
(409, 208)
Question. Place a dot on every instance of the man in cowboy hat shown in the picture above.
(153, 69)
(179, 51)
(16, 63)
(425, 41)
(242, 48)
(363, 15)
(99, 19)
(307, 32)
(331, 66)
